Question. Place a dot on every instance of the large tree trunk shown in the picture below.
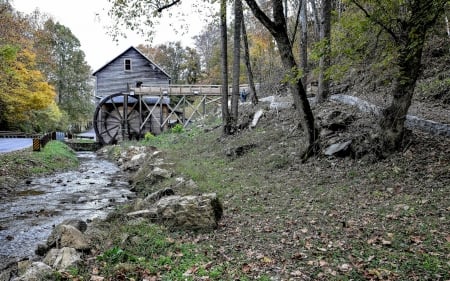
(251, 82)
(236, 61)
(393, 118)
(226, 120)
(325, 35)
(278, 29)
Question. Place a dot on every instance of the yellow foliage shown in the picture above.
(24, 89)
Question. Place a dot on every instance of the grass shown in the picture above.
(326, 219)
(55, 156)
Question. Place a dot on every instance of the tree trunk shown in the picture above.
(409, 63)
(278, 29)
(236, 61)
(304, 41)
(227, 124)
(251, 82)
(315, 13)
(325, 35)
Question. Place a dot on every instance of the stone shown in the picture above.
(256, 118)
(146, 213)
(158, 174)
(337, 120)
(22, 266)
(340, 149)
(181, 183)
(135, 162)
(61, 259)
(67, 236)
(155, 196)
(36, 272)
(190, 212)
(77, 223)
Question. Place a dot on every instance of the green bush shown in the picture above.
(178, 128)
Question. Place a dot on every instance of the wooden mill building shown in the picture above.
(121, 113)
(128, 70)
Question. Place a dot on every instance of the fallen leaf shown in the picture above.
(246, 268)
(299, 256)
(416, 239)
(386, 242)
(345, 267)
(296, 273)
(191, 271)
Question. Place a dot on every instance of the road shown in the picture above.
(12, 144)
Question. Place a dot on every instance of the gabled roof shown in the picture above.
(127, 50)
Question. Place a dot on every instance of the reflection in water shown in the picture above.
(88, 193)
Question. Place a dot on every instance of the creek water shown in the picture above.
(28, 217)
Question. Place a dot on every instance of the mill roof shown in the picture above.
(126, 51)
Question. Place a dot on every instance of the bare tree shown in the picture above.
(304, 39)
(226, 119)
(278, 28)
(236, 61)
(315, 13)
(324, 63)
(251, 82)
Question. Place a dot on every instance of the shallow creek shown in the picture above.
(87, 193)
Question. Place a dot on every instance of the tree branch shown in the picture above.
(261, 16)
(375, 20)
(160, 9)
(296, 21)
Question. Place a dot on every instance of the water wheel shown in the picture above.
(117, 118)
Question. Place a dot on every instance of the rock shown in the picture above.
(22, 266)
(67, 236)
(158, 174)
(36, 272)
(155, 196)
(135, 162)
(256, 118)
(61, 259)
(146, 213)
(340, 149)
(181, 183)
(77, 223)
(41, 249)
(337, 120)
(190, 212)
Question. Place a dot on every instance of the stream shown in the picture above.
(28, 218)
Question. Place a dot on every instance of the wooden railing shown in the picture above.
(208, 94)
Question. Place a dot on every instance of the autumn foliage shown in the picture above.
(28, 84)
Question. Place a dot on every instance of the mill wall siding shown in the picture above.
(113, 78)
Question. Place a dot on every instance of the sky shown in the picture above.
(87, 20)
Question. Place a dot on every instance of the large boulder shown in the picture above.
(190, 212)
(61, 259)
(36, 272)
(67, 236)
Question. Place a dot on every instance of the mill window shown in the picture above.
(127, 65)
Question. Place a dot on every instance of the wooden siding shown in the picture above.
(113, 78)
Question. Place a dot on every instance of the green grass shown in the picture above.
(148, 251)
(55, 156)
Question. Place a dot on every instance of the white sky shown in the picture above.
(87, 20)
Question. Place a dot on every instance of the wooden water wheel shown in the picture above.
(116, 118)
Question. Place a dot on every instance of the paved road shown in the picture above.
(12, 144)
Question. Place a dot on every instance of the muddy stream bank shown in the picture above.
(28, 217)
